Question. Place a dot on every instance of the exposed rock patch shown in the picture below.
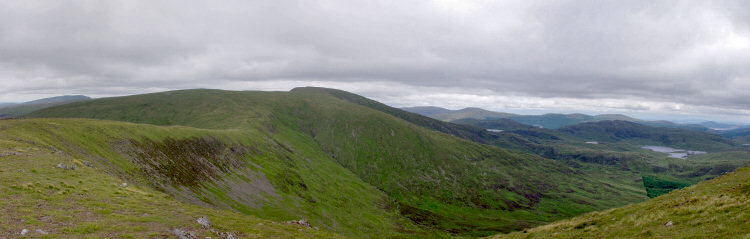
(183, 234)
(301, 222)
(203, 221)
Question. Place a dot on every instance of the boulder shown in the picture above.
(203, 221)
(182, 234)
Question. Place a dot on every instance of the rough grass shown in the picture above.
(240, 170)
(716, 208)
(89, 203)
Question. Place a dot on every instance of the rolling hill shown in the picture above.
(326, 152)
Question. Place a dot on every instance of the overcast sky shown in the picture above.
(652, 59)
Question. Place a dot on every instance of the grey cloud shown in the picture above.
(686, 52)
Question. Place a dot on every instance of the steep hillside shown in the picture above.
(31, 106)
(437, 180)
(56, 178)
(716, 208)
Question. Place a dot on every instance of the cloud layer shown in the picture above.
(661, 57)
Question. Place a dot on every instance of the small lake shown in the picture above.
(495, 130)
(673, 153)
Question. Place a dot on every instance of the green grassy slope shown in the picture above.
(716, 208)
(437, 180)
(88, 202)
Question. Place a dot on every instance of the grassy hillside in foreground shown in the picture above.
(437, 180)
(717, 208)
(240, 170)
(88, 202)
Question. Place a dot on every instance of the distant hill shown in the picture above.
(31, 106)
(740, 136)
(450, 115)
(496, 124)
(719, 126)
(553, 121)
(550, 121)
(669, 124)
(427, 110)
(617, 130)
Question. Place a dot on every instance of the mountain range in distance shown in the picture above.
(553, 120)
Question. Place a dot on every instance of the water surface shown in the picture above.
(673, 153)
